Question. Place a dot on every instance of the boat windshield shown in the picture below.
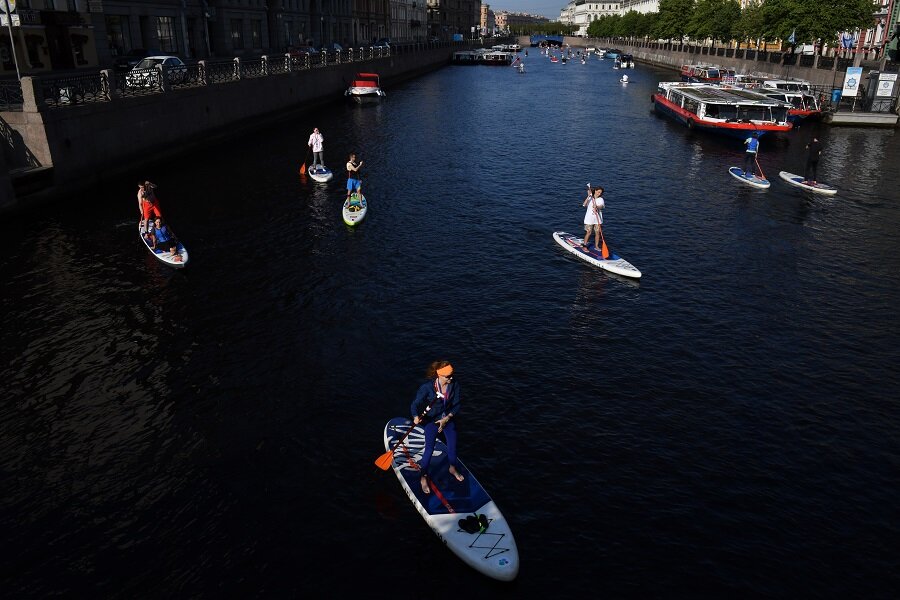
(712, 73)
(753, 113)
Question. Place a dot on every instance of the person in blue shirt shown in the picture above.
(435, 408)
(160, 235)
(752, 144)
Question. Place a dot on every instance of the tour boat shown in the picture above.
(730, 111)
(796, 93)
(365, 87)
(465, 57)
(704, 73)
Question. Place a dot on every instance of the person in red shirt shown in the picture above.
(148, 203)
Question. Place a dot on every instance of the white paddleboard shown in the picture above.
(178, 261)
(354, 211)
(755, 181)
(321, 174)
(797, 181)
(614, 264)
(492, 552)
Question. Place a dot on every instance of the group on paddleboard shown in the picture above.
(156, 234)
(355, 205)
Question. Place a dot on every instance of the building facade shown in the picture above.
(408, 20)
(447, 18)
(581, 13)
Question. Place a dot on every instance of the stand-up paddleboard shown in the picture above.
(355, 209)
(592, 254)
(749, 179)
(493, 551)
(320, 174)
(797, 181)
(164, 255)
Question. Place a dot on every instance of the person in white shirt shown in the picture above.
(593, 218)
(316, 143)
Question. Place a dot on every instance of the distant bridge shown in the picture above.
(552, 40)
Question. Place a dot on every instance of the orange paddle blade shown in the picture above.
(303, 169)
(604, 250)
(384, 461)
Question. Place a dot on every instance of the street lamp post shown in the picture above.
(12, 42)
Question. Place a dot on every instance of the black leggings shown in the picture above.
(749, 162)
(811, 167)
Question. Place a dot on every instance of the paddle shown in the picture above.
(384, 461)
(756, 158)
(303, 166)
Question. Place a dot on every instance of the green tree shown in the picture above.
(815, 19)
(629, 23)
(751, 24)
(674, 19)
(715, 19)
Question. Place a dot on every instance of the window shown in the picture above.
(165, 30)
(237, 34)
(256, 33)
(117, 34)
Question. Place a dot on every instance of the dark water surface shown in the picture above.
(728, 426)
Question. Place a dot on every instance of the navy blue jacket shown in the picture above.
(440, 407)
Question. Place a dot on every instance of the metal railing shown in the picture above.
(10, 95)
(61, 92)
(75, 89)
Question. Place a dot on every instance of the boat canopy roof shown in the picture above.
(712, 94)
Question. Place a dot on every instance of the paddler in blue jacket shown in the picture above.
(752, 144)
(436, 407)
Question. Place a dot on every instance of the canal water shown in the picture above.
(729, 425)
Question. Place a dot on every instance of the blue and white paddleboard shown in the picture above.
(321, 174)
(748, 178)
(798, 181)
(181, 254)
(492, 552)
(614, 264)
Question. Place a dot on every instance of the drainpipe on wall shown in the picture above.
(184, 34)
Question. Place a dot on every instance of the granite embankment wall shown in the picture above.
(88, 143)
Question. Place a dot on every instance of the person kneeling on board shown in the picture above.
(436, 407)
(593, 218)
(160, 235)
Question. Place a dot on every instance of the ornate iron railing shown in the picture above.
(139, 82)
(253, 68)
(807, 60)
(75, 89)
(826, 62)
(191, 76)
(221, 72)
(10, 95)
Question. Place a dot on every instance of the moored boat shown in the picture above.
(701, 73)
(365, 87)
(736, 112)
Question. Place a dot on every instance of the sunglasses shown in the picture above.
(447, 377)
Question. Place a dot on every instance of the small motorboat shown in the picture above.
(364, 88)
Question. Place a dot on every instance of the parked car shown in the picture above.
(334, 46)
(127, 61)
(144, 74)
(382, 43)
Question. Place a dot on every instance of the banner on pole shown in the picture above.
(851, 82)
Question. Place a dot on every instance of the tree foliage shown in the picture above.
(724, 20)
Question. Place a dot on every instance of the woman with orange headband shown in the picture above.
(435, 407)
